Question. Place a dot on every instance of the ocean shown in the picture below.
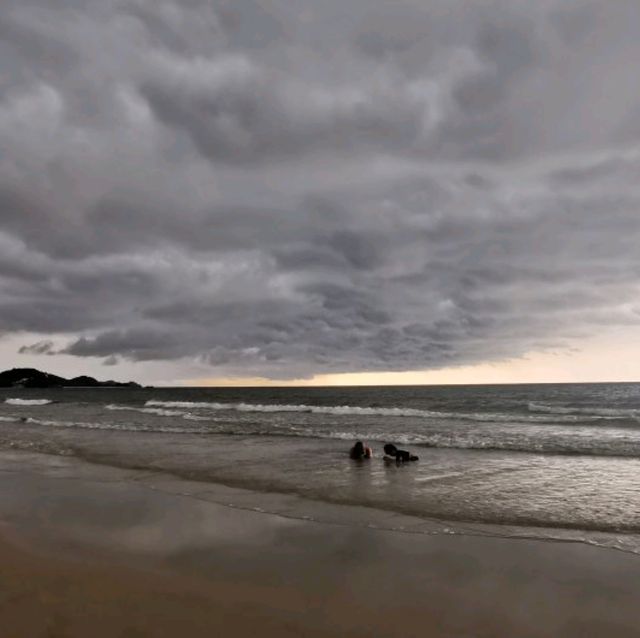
(550, 461)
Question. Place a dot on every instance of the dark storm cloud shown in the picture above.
(285, 188)
(238, 112)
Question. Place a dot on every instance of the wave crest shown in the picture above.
(156, 411)
(314, 409)
(545, 414)
(593, 412)
(28, 402)
(627, 449)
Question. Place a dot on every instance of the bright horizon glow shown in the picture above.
(613, 357)
(621, 360)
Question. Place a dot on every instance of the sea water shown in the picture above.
(549, 461)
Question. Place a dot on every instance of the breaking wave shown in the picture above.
(462, 441)
(28, 402)
(545, 415)
(121, 427)
(314, 409)
(156, 411)
(599, 413)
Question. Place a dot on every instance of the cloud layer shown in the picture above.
(289, 188)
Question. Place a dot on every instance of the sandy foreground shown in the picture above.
(87, 550)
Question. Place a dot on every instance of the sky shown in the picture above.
(294, 191)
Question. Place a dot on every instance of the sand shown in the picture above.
(87, 550)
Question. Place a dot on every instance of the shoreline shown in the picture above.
(87, 549)
(292, 505)
(470, 475)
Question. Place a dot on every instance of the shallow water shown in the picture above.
(552, 460)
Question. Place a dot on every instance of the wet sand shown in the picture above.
(88, 550)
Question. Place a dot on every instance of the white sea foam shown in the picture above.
(335, 410)
(599, 413)
(156, 411)
(194, 417)
(461, 441)
(161, 412)
(544, 415)
(123, 427)
(28, 402)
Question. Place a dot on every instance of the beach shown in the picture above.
(547, 461)
(93, 550)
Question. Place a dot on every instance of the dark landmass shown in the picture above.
(32, 378)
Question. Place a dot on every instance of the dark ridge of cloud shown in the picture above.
(138, 344)
(40, 347)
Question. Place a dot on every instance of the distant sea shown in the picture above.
(549, 461)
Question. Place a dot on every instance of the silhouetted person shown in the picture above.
(399, 455)
(360, 451)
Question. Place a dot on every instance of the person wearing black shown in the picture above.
(400, 455)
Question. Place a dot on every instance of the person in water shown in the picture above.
(360, 451)
(401, 456)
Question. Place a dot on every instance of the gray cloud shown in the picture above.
(41, 347)
(288, 188)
